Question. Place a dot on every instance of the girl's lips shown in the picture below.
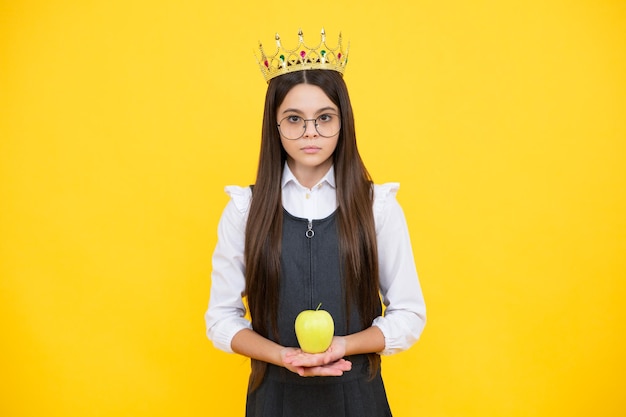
(311, 149)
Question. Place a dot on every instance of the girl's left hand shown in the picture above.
(310, 361)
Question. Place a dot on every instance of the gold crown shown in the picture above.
(302, 57)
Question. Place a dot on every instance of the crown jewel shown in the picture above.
(302, 57)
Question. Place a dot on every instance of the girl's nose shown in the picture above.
(310, 131)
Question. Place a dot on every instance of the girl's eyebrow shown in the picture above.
(323, 109)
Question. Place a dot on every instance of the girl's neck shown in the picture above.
(309, 176)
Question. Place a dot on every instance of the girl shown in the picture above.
(313, 229)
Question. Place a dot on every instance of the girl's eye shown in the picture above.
(325, 118)
(294, 119)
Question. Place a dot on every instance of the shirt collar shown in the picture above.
(288, 177)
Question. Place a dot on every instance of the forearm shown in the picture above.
(370, 340)
(249, 343)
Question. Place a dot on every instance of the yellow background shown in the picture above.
(121, 122)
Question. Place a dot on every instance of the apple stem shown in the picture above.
(318, 306)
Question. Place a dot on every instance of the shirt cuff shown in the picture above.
(398, 336)
(222, 334)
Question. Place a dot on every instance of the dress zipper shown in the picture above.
(310, 233)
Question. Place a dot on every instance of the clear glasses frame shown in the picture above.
(316, 122)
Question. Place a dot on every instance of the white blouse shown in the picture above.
(405, 313)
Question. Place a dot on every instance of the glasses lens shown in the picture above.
(328, 125)
(294, 127)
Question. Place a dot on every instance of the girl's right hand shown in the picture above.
(336, 368)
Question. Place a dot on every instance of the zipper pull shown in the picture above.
(310, 233)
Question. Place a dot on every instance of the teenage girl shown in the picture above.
(313, 229)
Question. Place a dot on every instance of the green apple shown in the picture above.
(315, 330)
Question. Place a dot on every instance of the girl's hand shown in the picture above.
(329, 363)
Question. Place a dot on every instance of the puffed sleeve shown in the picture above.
(405, 312)
(225, 315)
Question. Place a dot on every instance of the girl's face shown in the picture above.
(310, 156)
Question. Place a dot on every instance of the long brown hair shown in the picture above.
(357, 235)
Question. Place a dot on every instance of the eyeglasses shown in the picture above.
(293, 127)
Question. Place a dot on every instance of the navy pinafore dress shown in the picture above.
(311, 275)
